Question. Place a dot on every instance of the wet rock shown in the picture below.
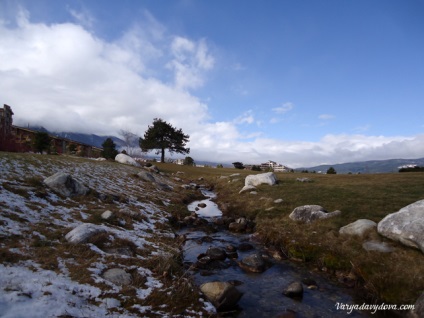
(244, 246)
(253, 263)
(65, 185)
(202, 205)
(276, 253)
(294, 290)
(117, 276)
(230, 248)
(223, 295)
(216, 253)
(311, 213)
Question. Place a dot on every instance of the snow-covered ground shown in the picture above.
(43, 275)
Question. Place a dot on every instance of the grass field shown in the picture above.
(396, 277)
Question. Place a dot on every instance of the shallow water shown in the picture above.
(263, 291)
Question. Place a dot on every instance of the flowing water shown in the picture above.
(263, 291)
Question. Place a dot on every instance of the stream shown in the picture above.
(262, 292)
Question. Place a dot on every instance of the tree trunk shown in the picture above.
(162, 158)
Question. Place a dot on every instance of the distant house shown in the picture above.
(179, 161)
(272, 165)
(20, 139)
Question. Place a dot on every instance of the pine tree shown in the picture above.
(161, 136)
(109, 151)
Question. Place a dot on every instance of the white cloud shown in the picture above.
(190, 60)
(83, 17)
(245, 118)
(326, 117)
(65, 78)
(284, 108)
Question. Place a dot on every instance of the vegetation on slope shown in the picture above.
(396, 277)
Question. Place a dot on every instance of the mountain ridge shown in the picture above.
(369, 166)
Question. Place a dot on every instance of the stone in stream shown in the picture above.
(253, 263)
(294, 290)
(223, 295)
(216, 253)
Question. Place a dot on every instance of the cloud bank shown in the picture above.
(65, 78)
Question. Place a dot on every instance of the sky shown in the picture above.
(300, 82)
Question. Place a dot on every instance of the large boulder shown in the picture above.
(311, 213)
(65, 184)
(83, 232)
(358, 228)
(222, 295)
(125, 159)
(254, 180)
(405, 226)
(263, 178)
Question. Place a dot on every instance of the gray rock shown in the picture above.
(278, 201)
(83, 232)
(146, 176)
(405, 226)
(125, 159)
(376, 246)
(216, 253)
(107, 215)
(295, 289)
(358, 228)
(310, 213)
(247, 188)
(253, 263)
(223, 295)
(117, 276)
(254, 180)
(65, 184)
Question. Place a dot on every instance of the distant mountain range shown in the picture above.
(89, 139)
(372, 166)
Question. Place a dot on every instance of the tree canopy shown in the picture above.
(189, 161)
(41, 141)
(238, 165)
(331, 170)
(162, 135)
(109, 151)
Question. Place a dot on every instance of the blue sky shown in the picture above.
(298, 82)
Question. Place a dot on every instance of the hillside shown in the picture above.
(372, 166)
(44, 273)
